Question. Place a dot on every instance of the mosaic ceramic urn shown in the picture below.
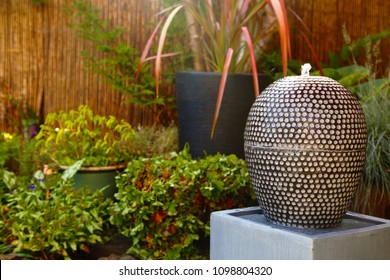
(305, 142)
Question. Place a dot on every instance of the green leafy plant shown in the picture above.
(356, 67)
(67, 137)
(164, 202)
(114, 59)
(376, 105)
(374, 96)
(373, 92)
(27, 124)
(219, 33)
(17, 154)
(9, 146)
(359, 51)
(46, 218)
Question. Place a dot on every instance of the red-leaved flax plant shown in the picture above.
(226, 36)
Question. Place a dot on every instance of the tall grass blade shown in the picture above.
(221, 88)
(313, 53)
(253, 60)
(147, 48)
(161, 44)
(283, 32)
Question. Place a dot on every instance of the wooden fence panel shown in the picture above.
(41, 65)
(325, 20)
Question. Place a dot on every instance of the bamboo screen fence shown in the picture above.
(325, 21)
(41, 65)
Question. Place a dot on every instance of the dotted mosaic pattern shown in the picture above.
(305, 142)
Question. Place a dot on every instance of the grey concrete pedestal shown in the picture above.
(245, 234)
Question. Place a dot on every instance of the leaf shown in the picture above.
(158, 217)
(85, 248)
(73, 245)
(281, 16)
(38, 175)
(253, 61)
(351, 69)
(161, 44)
(328, 72)
(313, 53)
(135, 230)
(221, 88)
(352, 75)
(72, 170)
(172, 209)
(370, 88)
(147, 48)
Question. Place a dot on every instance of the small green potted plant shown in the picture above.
(225, 40)
(104, 144)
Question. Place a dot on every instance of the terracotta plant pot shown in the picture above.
(305, 143)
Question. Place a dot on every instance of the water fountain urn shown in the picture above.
(305, 142)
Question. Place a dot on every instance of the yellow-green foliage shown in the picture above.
(80, 134)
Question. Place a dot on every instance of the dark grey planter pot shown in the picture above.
(196, 95)
(305, 144)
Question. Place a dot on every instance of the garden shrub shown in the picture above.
(164, 202)
(47, 218)
(117, 61)
(156, 140)
(9, 146)
(100, 140)
(18, 155)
